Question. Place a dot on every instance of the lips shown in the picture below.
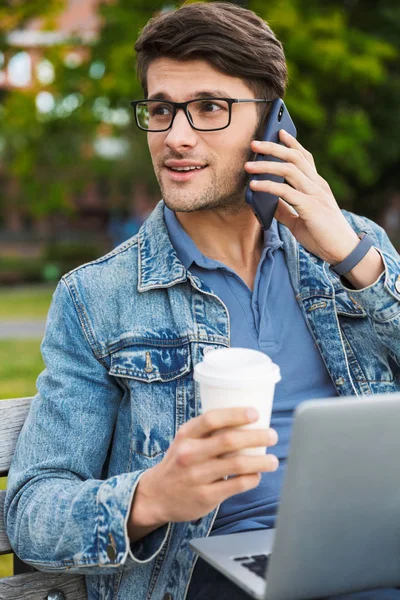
(182, 169)
(183, 163)
(184, 173)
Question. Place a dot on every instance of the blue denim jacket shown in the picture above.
(122, 336)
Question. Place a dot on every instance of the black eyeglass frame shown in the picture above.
(184, 106)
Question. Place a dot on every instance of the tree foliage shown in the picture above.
(49, 158)
(15, 14)
(344, 89)
(343, 58)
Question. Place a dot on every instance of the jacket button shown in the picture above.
(397, 284)
(55, 595)
(168, 597)
(111, 552)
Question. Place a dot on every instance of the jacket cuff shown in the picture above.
(147, 548)
(381, 299)
(114, 501)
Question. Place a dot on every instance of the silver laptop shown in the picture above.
(338, 526)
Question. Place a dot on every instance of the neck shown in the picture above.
(233, 239)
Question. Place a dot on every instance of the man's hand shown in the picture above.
(319, 225)
(189, 482)
(309, 210)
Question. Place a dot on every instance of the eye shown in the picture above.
(160, 110)
(211, 106)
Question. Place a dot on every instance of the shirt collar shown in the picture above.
(188, 252)
(185, 247)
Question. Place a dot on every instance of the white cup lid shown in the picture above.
(233, 367)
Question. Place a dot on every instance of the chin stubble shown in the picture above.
(226, 192)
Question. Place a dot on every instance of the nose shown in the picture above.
(181, 136)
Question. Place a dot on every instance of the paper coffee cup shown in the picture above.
(233, 377)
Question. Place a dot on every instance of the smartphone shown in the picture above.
(263, 203)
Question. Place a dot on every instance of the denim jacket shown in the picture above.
(122, 337)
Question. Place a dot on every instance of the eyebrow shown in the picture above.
(194, 96)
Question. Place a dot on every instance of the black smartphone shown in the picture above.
(263, 203)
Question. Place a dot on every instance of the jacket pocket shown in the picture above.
(155, 377)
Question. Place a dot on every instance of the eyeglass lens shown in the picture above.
(204, 114)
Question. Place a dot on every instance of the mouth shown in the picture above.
(187, 173)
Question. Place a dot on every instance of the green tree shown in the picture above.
(14, 15)
(47, 159)
(344, 89)
(343, 58)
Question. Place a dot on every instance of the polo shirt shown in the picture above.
(267, 319)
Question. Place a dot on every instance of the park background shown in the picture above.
(75, 173)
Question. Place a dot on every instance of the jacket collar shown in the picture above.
(159, 265)
(187, 251)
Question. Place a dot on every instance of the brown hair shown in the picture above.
(232, 39)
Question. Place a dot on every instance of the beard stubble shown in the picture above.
(225, 192)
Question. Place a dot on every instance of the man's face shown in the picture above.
(220, 183)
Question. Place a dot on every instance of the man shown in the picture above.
(116, 469)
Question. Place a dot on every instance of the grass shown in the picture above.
(20, 364)
(25, 302)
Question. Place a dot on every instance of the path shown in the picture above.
(22, 328)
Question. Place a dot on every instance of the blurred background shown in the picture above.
(75, 174)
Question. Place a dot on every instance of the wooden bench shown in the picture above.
(27, 583)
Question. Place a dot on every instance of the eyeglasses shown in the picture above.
(205, 114)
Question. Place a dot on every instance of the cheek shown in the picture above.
(155, 145)
(236, 146)
(234, 153)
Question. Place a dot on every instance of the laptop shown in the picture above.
(338, 525)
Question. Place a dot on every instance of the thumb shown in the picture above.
(286, 215)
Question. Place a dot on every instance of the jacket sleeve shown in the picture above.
(60, 513)
(381, 300)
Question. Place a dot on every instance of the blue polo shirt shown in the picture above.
(270, 320)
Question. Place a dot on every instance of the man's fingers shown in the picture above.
(235, 485)
(195, 451)
(296, 156)
(290, 172)
(217, 469)
(291, 142)
(219, 418)
(293, 197)
(232, 439)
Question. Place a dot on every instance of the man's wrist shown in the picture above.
(367, 271)
(143, 518)
(355, 256)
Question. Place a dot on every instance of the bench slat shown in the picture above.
(5, 547)
(29, 586)
(36, 586)
(12, 416)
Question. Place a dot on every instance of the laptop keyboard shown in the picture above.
(257, 563)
